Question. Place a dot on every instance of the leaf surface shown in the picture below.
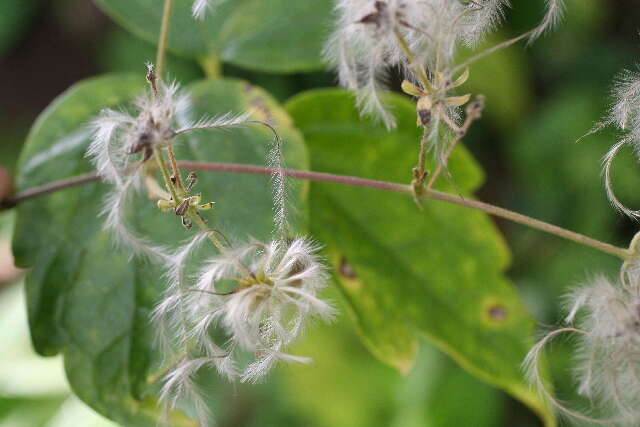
(406, 273)
(279, 36)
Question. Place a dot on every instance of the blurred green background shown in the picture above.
(541, 98)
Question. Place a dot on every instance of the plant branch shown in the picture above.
(429, 194)
(43, 190)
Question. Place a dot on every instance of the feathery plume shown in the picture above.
(200, 8)
(553, 15)
(259, 296)
(624, 114)
(419, 37)
(608, 355)
(484, 16)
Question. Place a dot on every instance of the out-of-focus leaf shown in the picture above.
(278, 36)
(15, 16)
(438, 393)
(345, 386)
(88, 300)
(24, 411)
(561, 182)
(503, 78)
(123, 52)
(407, 273)
(33, 390)
(360, 390)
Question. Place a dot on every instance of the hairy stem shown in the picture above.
(422, 156)
(192, 212)
(174, 168)
(489, 51)
(164, 36)
(430, 194)
(420, 171)
(460, 132)
(162, 165)
(417, 68)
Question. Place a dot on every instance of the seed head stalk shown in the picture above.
(175, 194)
(164, 37)
(418, 69)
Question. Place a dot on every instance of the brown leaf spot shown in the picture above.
(497, 313)
(346, 270)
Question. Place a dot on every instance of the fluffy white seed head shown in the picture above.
(254, 298)
(120, 140)
(366, 41)
(371, 36)
(117, 135)
(484, 16)
(171, 326)
(607, 361)
(267, 309)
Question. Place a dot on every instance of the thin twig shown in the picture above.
(45, 189)
(474, 111)
(418, 69)
(164, 36)
(174, 167)
(490, 51)
(622, 253)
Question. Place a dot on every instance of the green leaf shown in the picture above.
(438, 393)
(92, 302)
(406, 273)
(277, 36)
(503, 77)
(548, 138)
(124, 52)
(360, 390)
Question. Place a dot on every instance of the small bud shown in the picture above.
(151, 77)
(192, 180)
(144, 140)
(411, 89)
(206, 206)
(165, 205)
(424, 117)
(457, 101)
(195, 200)
(182, 208)
(460, 80)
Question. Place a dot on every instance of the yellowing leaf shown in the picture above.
(437, 274)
